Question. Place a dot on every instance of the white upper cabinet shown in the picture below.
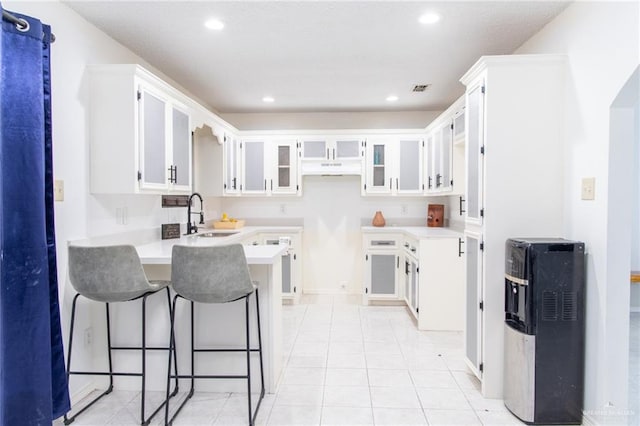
(393, 165)
(254, 161)
(284, 167)
(438, 157)
(378, 166)
(331, 155)
(331, 148)
(261, 166)
(459, 126)
(474, 150)
(443, 161)
(182, 149)
(140, 133)
(409, 166)
(231, 165)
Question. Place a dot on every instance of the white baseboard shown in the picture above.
(82, 393)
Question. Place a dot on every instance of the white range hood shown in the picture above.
(331, 168)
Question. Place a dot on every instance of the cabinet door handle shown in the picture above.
(272, 184)
(234, 183)
(265, 184)
(406, 267)
(390, 183)
(396, 184)
(334, 153)
(175, 174)
(438, 183)
(327, 153)
(430, 184)
(462, 200)
(460, 243)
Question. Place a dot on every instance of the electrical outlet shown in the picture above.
(404, 209)
(88, 336)
(343, 285)
(58, 190)
(589, 188)
(283, 208)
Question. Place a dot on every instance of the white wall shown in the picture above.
(601, 42)
(332, 212)
(635, 214)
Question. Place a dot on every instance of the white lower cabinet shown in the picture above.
(291, 262)
(426, 273)
(441, 285)
(411, 273)
(473, 248)
(382, 264)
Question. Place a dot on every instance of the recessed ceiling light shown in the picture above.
(214, 24)
(268, 99)
(429, 18)
(392, 98)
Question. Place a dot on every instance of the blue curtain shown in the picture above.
(33, 385)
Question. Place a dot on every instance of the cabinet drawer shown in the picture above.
(411, 246)
(381, 241)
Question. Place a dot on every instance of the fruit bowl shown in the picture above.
(218, 224)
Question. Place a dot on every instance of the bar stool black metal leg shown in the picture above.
(175, 359)
(193, 352)
(260, 347)
(144, 359)
(172, 348)
(69, 420)
(246, 323)
(110, 349)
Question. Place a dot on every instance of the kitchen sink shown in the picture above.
(216, 234)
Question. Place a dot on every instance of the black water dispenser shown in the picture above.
(544, 330)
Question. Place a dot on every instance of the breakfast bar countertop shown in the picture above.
(159, 252)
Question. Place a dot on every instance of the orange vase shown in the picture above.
(378, 219)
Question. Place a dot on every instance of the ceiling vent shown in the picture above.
(420, 87)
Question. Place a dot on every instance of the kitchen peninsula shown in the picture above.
(216, 324)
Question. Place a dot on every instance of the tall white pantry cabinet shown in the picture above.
(514, 155)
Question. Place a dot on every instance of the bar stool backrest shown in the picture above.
(217, 274)
(107, 273)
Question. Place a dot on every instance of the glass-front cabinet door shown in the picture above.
(231, 148)
(314, 149)
(378, 167)
(446, 146)
(409, 179)
(473, 247)
(346, 149)
(284, 167)
(180, 170)
(254, 179)
(429, 174)
(474, 153)
(154, 172)
(381, 280)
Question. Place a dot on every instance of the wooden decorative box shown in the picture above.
(228, 225)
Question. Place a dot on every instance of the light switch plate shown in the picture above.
(58, 190)
(589, 188)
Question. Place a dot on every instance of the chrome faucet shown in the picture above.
(192, 228)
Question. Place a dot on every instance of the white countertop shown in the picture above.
(159, 252)
(415, 231)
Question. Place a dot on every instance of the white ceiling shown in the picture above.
(318, 55)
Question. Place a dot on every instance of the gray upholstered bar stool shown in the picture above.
(111, 274)
(217, 274)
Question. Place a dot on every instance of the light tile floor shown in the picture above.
(345, 364)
